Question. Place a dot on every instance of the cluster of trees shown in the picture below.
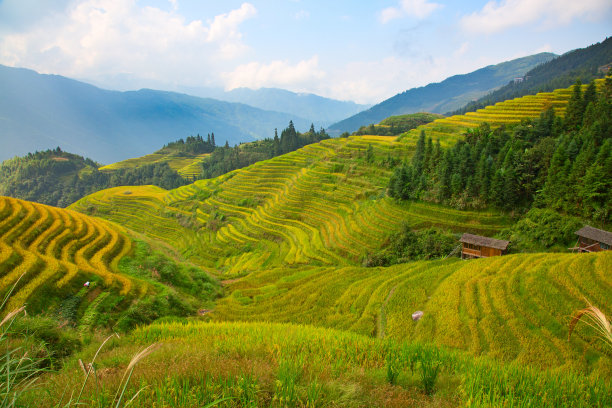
(225, 159)
(565, 165)
(192, 145)
(58, 178)
(561, 72)
(396, 125)
(407, 245)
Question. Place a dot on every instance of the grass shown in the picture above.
(273, 365)
(594, 318)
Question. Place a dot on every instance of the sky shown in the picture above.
(362, 51)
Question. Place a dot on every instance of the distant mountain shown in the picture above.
(39, 112)
(583, 63)
(324, 110)
(450, 94)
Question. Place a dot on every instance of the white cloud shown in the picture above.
(275, 74)
(302, 15)
(93, 38)
(462, 49)
(544, 48)
(224, 30)
(499, 16)
(419, 9)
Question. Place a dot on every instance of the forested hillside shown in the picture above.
(58, 178)
(557, 163)
(195, 158)
(583, 64)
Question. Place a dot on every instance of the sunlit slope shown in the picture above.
(449, 130)
(322, 205)
(187, 165)
(511, 308)
(49, 253)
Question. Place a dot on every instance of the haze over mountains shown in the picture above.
(307, 105)
(450, 94)
(45, 111)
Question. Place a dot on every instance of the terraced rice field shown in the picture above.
(449, 130)
(321, 205)
(188, 166)
(511, 308)
(290, 233)
(47, 250)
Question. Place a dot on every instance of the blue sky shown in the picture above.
(365, 51)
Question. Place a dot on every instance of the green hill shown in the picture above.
(55, 177)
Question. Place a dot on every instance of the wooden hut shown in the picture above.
(476, 246)
(593, 240)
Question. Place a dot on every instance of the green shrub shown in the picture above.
(542, 230)
(408, 245)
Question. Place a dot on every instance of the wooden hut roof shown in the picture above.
(595, 234)
(484, 241)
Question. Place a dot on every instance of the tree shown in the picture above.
(575, 108)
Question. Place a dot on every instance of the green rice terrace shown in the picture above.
(187, 165)
(505, 113)
(252, 288)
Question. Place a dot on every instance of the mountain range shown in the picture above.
(326, 111)
(450, 94)
(39, 112)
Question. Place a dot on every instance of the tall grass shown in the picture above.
(18, 372)
(594, 318)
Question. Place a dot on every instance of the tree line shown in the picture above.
(548, 162)
(59, 178)
(192, 145)
(225, 159)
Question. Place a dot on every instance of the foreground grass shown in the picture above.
(276, 365)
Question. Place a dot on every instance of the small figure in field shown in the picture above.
(86, 284)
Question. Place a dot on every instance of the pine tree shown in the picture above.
(419, 153)
(575, 108)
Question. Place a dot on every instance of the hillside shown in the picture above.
(195, 158)
(47, 254)
(396, 125)
(450, 94)
(46, 111)
(582, 64)
(510, 308)
(58, 178)
(323, 204)
(507, 113)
